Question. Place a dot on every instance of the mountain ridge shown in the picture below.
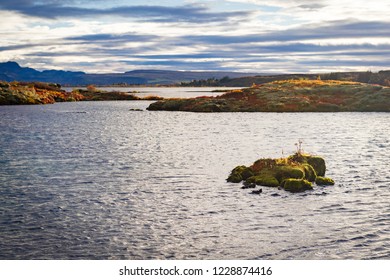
(12, 71)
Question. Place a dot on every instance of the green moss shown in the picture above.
(285, 171)
(296, 185)
(234, 178)
(239, 173)
(310, 173)
(294, 173)
(264, 180)
(318, 164)
(324, 181)
(246, 173)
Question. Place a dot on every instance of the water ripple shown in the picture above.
(114, 184)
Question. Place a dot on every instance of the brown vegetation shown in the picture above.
(289, 96)
(18, 93)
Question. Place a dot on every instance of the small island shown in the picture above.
(295, 173)
(289, 96)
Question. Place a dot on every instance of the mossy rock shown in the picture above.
(234, 178)
(285, 171)
(246, 173)
(240, 173)
(318, 164)
(296, 185)
(324, 181)
(264, 180)
(310, 173)
(294, 173)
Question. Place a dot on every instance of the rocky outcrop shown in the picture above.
(16, 93)
(295, 173)
(21, 93)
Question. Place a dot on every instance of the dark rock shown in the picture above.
(257, 191)
(248, 185)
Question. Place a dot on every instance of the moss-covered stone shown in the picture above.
(296, 185)
(234, 178)
(236, 174)
(318, 164)
(324, 181)
(240, 173)
(264, 180)
(246, 173)
(294, 173)
(310, 173)
(285, 171)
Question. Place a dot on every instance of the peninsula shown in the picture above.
(289, 96)
(27, 93)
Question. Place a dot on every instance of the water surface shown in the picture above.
(93, 180)
(167, 92)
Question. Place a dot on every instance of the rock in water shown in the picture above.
(296, 185)
(324, 181)
(258, 191)
(295, 173)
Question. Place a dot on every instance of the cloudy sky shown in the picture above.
(257, 36)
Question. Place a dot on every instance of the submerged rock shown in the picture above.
(295, 173)
(324, 181)
(257, 192)
(248, 185)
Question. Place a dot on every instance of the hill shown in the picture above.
(289, 96)
(12, 71)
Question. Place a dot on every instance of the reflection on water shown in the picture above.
(110, 183)
(167, 92)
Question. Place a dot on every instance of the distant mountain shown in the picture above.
(12, 71)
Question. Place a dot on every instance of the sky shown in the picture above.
(252, 36)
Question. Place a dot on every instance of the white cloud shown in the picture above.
(327, 10)
(281, 27)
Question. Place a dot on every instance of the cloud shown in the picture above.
(333, 30)
(324, 10)
(299, 47)
(311, 6)
(56, 9)
(115, 38)
(275, 35)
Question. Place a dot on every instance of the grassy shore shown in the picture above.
(20, 93)
(289, 96)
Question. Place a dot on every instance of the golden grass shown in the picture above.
(313, 83)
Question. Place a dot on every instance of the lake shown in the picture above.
(167, 92)
(94, 180)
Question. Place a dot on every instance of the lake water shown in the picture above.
(93, 180)
(167, 92)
